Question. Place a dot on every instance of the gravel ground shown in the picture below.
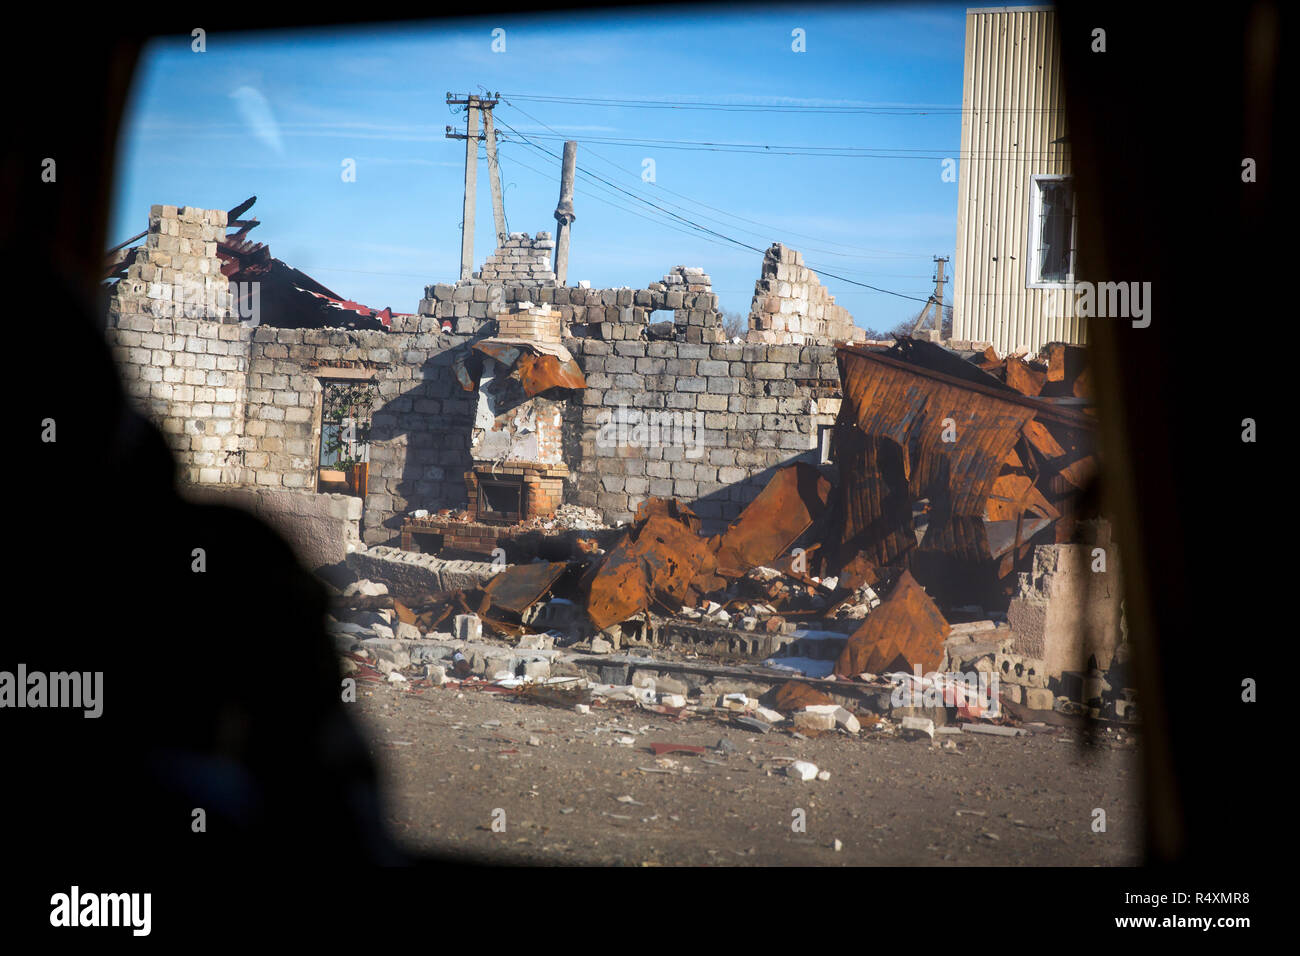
(554, 778)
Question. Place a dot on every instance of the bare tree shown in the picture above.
(734, 324)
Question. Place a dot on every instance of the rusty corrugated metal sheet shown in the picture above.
(906, 631)
(654, 564)
(889, 399)
(663, 562)
(520, 586)
(793, 499)
(538, 366)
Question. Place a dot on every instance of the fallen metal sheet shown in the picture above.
(794, 695)
(874, 506)
(520, 586)
(538, 366)
(1081, 472)
(905, 632)
(1024, 378)
(1002, 536)
(795, 497)
(654, 563)
(664, 562)
(904, 414)
(1043, 442)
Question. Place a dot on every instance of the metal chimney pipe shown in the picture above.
(564, 212)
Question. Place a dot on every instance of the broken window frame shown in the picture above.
(1037, 227)
(345, 403)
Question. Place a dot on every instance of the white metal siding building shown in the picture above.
(1015, 214)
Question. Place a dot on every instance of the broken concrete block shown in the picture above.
(1018, 669)
(468, 627)
(408, 632)
(846, 720)
(801, 770)
(811, 720)
(601, 646)
(537, 670)
(644, 681)
(671, 685)
(840, 715)
(365, 588)
(915, 727)
(993, 730)
(388, 650)
(436, 674)
(1124, 709)
(672, 700)
(1068, 611)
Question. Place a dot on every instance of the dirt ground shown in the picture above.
(554, 778)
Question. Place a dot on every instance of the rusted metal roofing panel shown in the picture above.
(538, 365)
(875, 509)
(653, 565)
(520, 586)
(906, 631)
(917, 408)
(793, 499)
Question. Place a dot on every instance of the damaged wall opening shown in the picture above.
(344, 440)
(501, 499)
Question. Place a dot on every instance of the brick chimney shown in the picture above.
(535, 323)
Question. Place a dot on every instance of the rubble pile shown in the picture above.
(881, 583)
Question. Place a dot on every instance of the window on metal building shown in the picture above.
(1052, 232)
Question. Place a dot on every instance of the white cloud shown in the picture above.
(256, 112)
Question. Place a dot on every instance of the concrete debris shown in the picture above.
(468, 627)
(809, 720)
(916, 727)
(365, 589)
(802, 770)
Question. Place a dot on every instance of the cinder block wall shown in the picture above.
(242, 406)
(791, 306)
(180, 357)
(760, 406)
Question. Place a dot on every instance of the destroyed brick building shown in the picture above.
(749, 497)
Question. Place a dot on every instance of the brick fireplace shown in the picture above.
(514, 491)
(525, 377)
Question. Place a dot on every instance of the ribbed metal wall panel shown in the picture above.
(1012, 110)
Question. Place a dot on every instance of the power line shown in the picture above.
(712, 232)
(877, 110)
(929, 153)
(873, 253)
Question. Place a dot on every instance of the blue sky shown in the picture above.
(276, 115)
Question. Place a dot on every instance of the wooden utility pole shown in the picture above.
(474, 105)
(936, 300)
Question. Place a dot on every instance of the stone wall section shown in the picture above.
(738, 411)
(241, 406)
(791, 306)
